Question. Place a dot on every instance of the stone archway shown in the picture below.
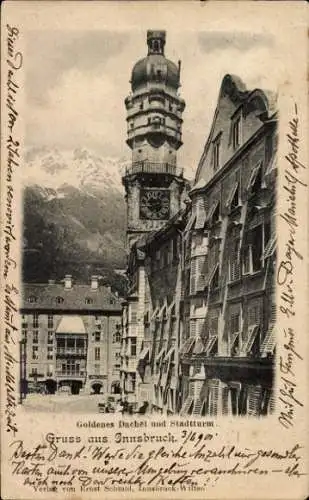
(51, 386)
(97, 387)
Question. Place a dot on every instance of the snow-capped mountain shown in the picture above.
(74, 214)
(78, 168)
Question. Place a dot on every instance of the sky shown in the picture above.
(76, 83)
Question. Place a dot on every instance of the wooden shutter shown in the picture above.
(254, 400)
(193, 276)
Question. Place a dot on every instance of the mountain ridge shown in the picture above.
(74, 216)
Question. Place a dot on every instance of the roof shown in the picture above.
(39, 296)
(71, 324)
(145, 70)
(261, 103)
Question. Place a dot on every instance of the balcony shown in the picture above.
(66, 374)
(153, 168)
(65, 351)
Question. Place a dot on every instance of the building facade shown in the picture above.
(229, 261)
(199, 318)
(71, 337)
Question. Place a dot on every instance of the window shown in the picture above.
(97, 353)
(216, 153)
(35, 352)
(71, 367)
(32, 299)
(50, 337)
(35, 337)
(214, 281)
(214, 213)
(35, 320)
(88, 300)
(59, 300)
(34, 371)
(49, 352)
(253, 250)
(250, 344)
(255, 182)
(50, 321)
(117, 336)
(71, 344)
(24, 334)
(236, 132)
(213, 326)
(257, 248)
(133, 317)
(254, 314)
(97, 336)
(234, 198)
(235, 322)
(133, 346)
(24, 323)
(235, 331)
(247, 260)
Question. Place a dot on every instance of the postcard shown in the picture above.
(154, 245)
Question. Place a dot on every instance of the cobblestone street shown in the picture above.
(57, 403)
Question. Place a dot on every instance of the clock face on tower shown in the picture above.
(154, 204)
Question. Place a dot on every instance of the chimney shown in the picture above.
(68, 281)
(94, 282)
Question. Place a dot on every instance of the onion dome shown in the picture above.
(155, 67)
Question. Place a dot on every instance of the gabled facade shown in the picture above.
(71, 336)
(229, 337)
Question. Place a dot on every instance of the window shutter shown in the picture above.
(225, 401)
(202, 271)
(192, 328)
(254, 400)
(193, 276)
(200, 212)
(214, 396)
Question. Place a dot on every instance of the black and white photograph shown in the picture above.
(154, 250)
(148, 279)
